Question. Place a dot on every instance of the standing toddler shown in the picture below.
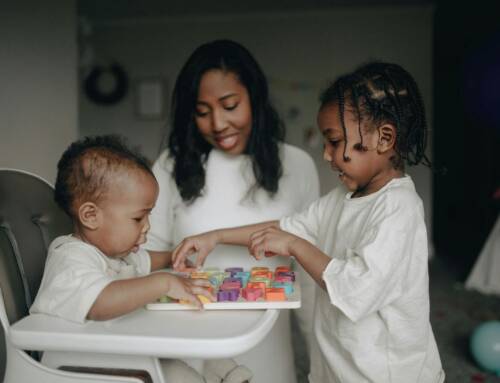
(365, 242)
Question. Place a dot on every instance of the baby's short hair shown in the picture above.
(87, 166)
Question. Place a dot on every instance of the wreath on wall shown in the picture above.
(93, 84)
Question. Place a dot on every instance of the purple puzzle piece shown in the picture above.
(228, 295)
(287, 274)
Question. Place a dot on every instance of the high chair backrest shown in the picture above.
(11, 281)
(29, 221)
(13, 298)
(6, 272)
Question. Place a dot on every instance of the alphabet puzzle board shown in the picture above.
(237, 289)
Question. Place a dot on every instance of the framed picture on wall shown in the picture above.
(150, 98)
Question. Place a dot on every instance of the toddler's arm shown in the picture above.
(273, 240)
(204, 243)
(126, 295)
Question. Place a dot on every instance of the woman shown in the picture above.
(226, 164)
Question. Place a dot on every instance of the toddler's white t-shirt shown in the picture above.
(372, 322)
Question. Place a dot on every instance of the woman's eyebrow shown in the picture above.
(227, 96)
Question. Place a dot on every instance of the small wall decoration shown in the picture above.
(106, 85)
(150, 98)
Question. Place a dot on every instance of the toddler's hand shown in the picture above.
(188, 289)
(203, 244)
(270, 241)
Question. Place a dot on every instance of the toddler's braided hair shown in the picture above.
(379, 93)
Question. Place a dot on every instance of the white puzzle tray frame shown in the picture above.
(292, 302)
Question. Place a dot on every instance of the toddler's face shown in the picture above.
(363, 173)
(125, 214)
(223, 111)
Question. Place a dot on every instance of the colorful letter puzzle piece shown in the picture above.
(236, 288)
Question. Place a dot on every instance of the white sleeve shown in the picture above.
(306, 223)
(73, 279)
(160, 235)
(373, 274)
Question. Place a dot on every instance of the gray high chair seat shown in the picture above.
(29, 221)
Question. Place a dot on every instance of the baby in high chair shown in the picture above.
(99, 271)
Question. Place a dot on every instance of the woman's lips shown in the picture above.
(227, 142)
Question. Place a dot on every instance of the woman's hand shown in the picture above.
(202, 244)
(271, 241)
(188, 289)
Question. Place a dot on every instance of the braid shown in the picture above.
(392, 93)
(384, 93)
(341, 101)
(420, 134)
(356, 102)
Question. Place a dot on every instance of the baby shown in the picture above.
(99, 271)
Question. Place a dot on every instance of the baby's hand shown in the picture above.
(188, 289)
(270, 241)
(203, 244)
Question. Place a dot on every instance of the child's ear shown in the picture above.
(89, 215)
(386, 138)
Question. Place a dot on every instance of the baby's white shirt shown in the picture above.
(75, 274)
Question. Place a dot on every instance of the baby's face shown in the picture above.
(125, 214)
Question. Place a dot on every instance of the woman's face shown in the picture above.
(223, 111)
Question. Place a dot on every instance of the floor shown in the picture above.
(455, 313)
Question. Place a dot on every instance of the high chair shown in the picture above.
(29, 220)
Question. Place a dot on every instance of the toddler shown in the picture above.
(365, 242)
(99, 271)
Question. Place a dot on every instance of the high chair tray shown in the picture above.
(189, 334)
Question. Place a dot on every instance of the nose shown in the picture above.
(218, 121)
(146, 226)
(326, 154)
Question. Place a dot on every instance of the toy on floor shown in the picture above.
(237, 289)
(485, 346)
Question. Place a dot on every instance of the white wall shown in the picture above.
(299, 52)
(38, 88)
(38, 92)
